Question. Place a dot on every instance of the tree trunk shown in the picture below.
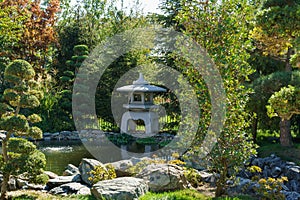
(220, 187)
(285, 133)
(4, 186)
(254, 129)
(288, 67)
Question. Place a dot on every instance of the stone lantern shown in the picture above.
(140, 106)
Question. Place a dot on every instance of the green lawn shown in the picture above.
(286, 153)
(187, 195)
(176, 195)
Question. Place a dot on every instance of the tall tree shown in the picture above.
(20, 156)
(222, 29)
(276, 33)
(277, 29)
(36, 29)
(284, 104)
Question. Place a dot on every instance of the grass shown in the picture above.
(285, 153)
(37, 195)
(187, 195)
(269, 144)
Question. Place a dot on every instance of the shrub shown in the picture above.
(101, 173)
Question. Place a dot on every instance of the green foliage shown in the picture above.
(193, 177)
(19, 70)
(224, 35)
(176, 195)
(145, 141)
(25, 160)
(34, 118)
(20, 156)
(277, 27)
(101, 173)
(15, 124)
(263, 88)
(284, 103)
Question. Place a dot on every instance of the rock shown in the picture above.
(243, 186)
(258, 162)
(125, 188)
(12, 184)
(67, 173)
(208, 177)
(275, 172)
(291, 195)
(71, 170)
(293, 185)
(85, 166)
(60, 180)
(164, 177)
(21, 183)
(2, 136)
(51, 175)
(71, 188)
(121, 167)
(32, 186)
(293, 173)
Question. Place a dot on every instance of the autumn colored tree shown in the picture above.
(19, 156)
(35, 31)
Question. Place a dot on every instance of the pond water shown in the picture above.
(61, 153)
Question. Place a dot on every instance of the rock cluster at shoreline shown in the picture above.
(157, 177)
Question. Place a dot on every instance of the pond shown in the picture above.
(61, 153)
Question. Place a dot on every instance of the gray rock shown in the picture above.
(294, 185)
(21, 183)
(51, 175)
(125, 188)
(68, 173)
(275, 172)
(242, 186)
(71, 170)
(85, 166)
(60, 180)
(208, 177)
(32, 186)
(12, 184)
(258, 162)
(291, 195)
(71, 188)
(293, 173)
(164, 177)
(121, 167)
(2, 136)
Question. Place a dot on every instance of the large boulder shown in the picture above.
(125, 188)
(122, 167)
(85, 166)
(71, 188)
(164, 177)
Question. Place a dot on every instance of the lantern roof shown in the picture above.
(141, 85)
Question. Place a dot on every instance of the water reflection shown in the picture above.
(61, 153)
